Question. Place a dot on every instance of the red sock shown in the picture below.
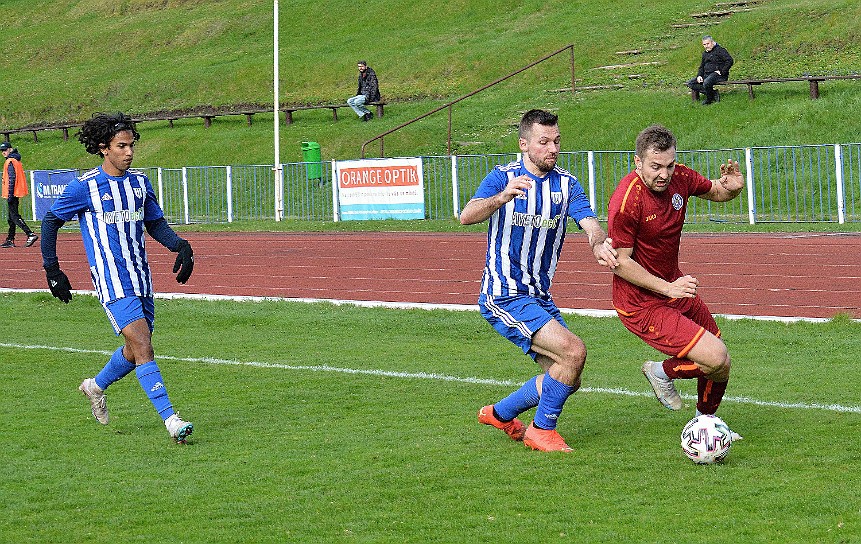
(709, 395)
(682, 368)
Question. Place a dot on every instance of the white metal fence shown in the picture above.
(816, 183)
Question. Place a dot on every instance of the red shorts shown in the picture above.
(672, 327)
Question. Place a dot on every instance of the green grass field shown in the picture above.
(323, 423)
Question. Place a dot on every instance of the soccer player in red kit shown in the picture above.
(654, 299)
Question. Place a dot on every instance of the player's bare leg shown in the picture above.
(711, 356)
(562, 354)
(139, 349)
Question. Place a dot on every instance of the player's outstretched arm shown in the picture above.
(602, 247)
(480, 209)
(729, 185)
(58, 282)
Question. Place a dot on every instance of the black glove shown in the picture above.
(184, 261)
(58, 283)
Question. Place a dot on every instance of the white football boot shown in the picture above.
(664, 389)
(97, 400)
(178, 429)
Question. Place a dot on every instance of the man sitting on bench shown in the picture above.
(368, 91)
(714, 67)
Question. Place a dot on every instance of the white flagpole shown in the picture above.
(279, 172)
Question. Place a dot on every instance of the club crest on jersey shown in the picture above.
(678, 202)
(139, 192)
(556, 198)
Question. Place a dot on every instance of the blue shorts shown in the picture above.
(519, 317)
(126, 310)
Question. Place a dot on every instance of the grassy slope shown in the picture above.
(77, 57)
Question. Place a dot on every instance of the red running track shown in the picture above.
(792, 275)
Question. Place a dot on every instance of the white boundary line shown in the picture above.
(415, 305)
(436, 377)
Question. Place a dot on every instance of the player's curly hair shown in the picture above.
(656, 137)
(99, 130)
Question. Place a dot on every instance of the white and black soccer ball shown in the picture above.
(706, 439)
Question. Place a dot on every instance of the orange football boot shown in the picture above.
(544, 440)
(514, 428)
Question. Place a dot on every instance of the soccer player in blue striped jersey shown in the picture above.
(115, 206)
(528, 203)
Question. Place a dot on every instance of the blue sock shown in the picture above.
(150, 379)
(553, 396)
(115, 369)
(518, 402)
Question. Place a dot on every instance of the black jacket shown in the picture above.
(369, 86)
(716, 59)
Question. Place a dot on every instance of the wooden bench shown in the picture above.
(334, 107)
(35, 130)
(812, 80)
(206, 116)
(8, 132)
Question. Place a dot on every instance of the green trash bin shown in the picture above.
(311, 158)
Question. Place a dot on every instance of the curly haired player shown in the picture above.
(115, 207)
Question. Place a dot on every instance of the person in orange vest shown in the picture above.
(14, 187)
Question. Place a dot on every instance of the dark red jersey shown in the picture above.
(651, 223)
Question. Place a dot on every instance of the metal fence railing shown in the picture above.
(850, 161)
(815, 183)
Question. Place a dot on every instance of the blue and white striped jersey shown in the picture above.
(112, 212)
(525, 236)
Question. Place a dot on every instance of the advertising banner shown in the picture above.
(48, 185)
(381, 189)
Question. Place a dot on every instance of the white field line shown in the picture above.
(436, 377)
(412, 305)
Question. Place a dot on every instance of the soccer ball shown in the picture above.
(706, 439)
